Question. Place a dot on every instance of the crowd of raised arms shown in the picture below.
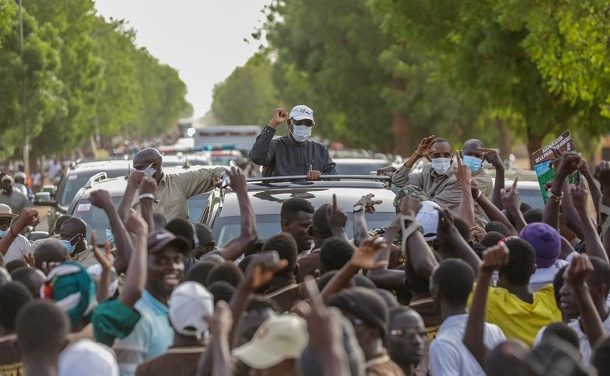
(465, 280)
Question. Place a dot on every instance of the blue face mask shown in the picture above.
(109, 236)
(68, 246)
(473, 163)
(2, 233)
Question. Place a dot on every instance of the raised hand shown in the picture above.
(576, 274)
(279, 116)
(262, 269)
(106, 259)
(423, 150)
(237, 180)
(462, 172)
(368, 203)
(494, 258)
(492, 156)
(221, 321)
(579, 194)
(409, 206)
(364, 256)
(100, 198)
(135, 178)
(569, 162)
(510, 196)
(148, 185)
(28, 217)
(136, 224)
(335, 216)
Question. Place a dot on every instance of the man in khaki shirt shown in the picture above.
(174, 189)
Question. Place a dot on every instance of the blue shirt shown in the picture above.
(151, 337)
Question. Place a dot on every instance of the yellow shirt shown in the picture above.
(519, 319)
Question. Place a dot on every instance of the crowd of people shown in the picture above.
(465, 280)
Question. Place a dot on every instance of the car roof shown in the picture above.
(267, 198)
(358, 161)
(102, 165)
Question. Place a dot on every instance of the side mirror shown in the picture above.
(37, 235)
(43, 199)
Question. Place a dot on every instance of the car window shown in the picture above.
(196, 205)
(532, 197)
(95, 218)
(71, 183)
(268, 225)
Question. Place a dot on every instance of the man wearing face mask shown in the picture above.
(473, 155)
(437, 179)
(174, 189)
(73, 237)
(293, 154)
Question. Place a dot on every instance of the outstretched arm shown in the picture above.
(493, 258)
(461, 246)
(28, 217)
(366, 204)
(493, 157)
(594, 244)
(261, 152)
(133, 182)
(492, 211)
(237, 246)
(466, 208)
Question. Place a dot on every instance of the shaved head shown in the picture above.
(146, 157)
(471, 147)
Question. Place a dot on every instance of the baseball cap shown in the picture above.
(190, 304)
(72, 289)
(161, 238)
(545, 240)
(427, 217)
(410, 191)
(19, 175)
(279, 338)
(301, 112)
(5, 211)
(87, 357)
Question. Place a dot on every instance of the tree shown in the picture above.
(482, 48)
(248, 95)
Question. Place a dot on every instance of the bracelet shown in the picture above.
(146, 195)
(555, 197)
(358, 208)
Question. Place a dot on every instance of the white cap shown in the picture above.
(86, 357)
(301, 112)
(95, 271)
(189, 306)
(277, 339)
(427, 217)
(5, 211)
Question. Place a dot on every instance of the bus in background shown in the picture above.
(240, 137)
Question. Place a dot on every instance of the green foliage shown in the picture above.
(82, 76)
(248, 95)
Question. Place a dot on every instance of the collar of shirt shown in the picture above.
(153, 303)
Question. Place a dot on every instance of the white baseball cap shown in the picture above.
(427, 217)
(301, 112)
(190, 304)
(279, 338)
(5, 211)
(87, 357)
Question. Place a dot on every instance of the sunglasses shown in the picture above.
(305, 122)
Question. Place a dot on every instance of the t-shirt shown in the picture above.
(448, 354)
(584, 345)
(18, 249)
(383, 366)
(519, 319)
(151, 336)
(10, 357)
(176, 361)
(112, 319)
(544, 276)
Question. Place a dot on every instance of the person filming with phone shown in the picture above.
(293, 154)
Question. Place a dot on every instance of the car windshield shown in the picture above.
(95, 218)
(196, 205)
(532, 197)
(360, 168)
(268, 225)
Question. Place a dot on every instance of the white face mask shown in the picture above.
(441, 165)
(301, 133)
(149, 170)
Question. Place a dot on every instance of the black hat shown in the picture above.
(159, 239)
(365, 304)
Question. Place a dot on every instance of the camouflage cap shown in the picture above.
(410, 191)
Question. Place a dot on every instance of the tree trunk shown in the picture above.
(401, 128)
(534, 142)
(505, 139)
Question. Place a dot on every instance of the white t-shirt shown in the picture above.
(18, 249)
(545, 276)
(584, 345)
(448, 354)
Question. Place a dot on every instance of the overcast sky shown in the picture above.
(202, 39)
